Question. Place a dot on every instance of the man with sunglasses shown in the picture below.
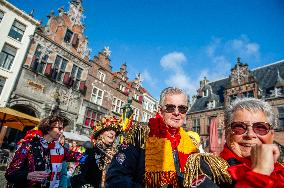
(157, 153)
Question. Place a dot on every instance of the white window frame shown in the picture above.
(101, 76)
(121, 87)
(2, 83)
(17, 30)
(196, 125)
(95, 97)
(7, 57)
(117, 105)
(76, 74)
(135, 114)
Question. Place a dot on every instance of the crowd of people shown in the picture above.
(161, 154)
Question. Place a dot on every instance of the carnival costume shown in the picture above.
(94, 163)
(36, 154)
(153, 156)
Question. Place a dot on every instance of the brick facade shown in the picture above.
(212, 97)
(58, 74)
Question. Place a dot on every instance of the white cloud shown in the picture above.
(218, 57)
(173, 60)
(181, 80)
(222, 55)
(243, 47)
(174, 63)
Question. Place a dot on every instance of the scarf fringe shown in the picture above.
(159, 179)
(217, 165)
(137, 135)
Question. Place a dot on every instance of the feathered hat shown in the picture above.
(106, 123)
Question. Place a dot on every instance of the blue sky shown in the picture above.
(178, 42)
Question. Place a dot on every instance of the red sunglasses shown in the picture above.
(259, 128)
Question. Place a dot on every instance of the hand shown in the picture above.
(38, 176)
(263, 158)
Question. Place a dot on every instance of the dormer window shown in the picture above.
(205, 93)
(211, 104)
(68, 36)
(276, 92)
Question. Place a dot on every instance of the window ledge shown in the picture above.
(15, 39)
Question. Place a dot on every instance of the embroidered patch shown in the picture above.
(24, 151)
(120, 158)
(196, 182)
(124, 146)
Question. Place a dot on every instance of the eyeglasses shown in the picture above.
(59, 128)
(170, 108)
(259, 128)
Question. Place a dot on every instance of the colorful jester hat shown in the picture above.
(105, 124)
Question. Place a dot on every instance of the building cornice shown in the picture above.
(20, 12)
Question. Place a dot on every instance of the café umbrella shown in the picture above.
(15, 119)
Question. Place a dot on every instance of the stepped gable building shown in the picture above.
(264, 82)
(107, 92)
(56, 67)
(57, 74)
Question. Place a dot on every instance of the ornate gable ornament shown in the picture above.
(76, 12)
(239, 74)
(106, 51)
(138, 81)
(280, 80)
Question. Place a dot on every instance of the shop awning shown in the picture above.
(15, 119)
(75, 136)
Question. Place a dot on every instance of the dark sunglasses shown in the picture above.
(170, 108)
(259, 128)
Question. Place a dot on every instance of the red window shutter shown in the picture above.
(82, 87)
(71, 81)
(92, 123)
(87, 121)
(48, 69)
(126, 91)
(140, 99)
(75, 40)
(66, 78)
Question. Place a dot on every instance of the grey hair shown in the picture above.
(250, 104)
(171, 91)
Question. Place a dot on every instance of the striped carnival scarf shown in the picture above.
(160, 167)
(54, 161)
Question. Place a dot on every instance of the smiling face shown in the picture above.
(173, 119)
(241, 144)
(108, 137)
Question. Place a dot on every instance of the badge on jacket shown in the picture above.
(120, 158)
